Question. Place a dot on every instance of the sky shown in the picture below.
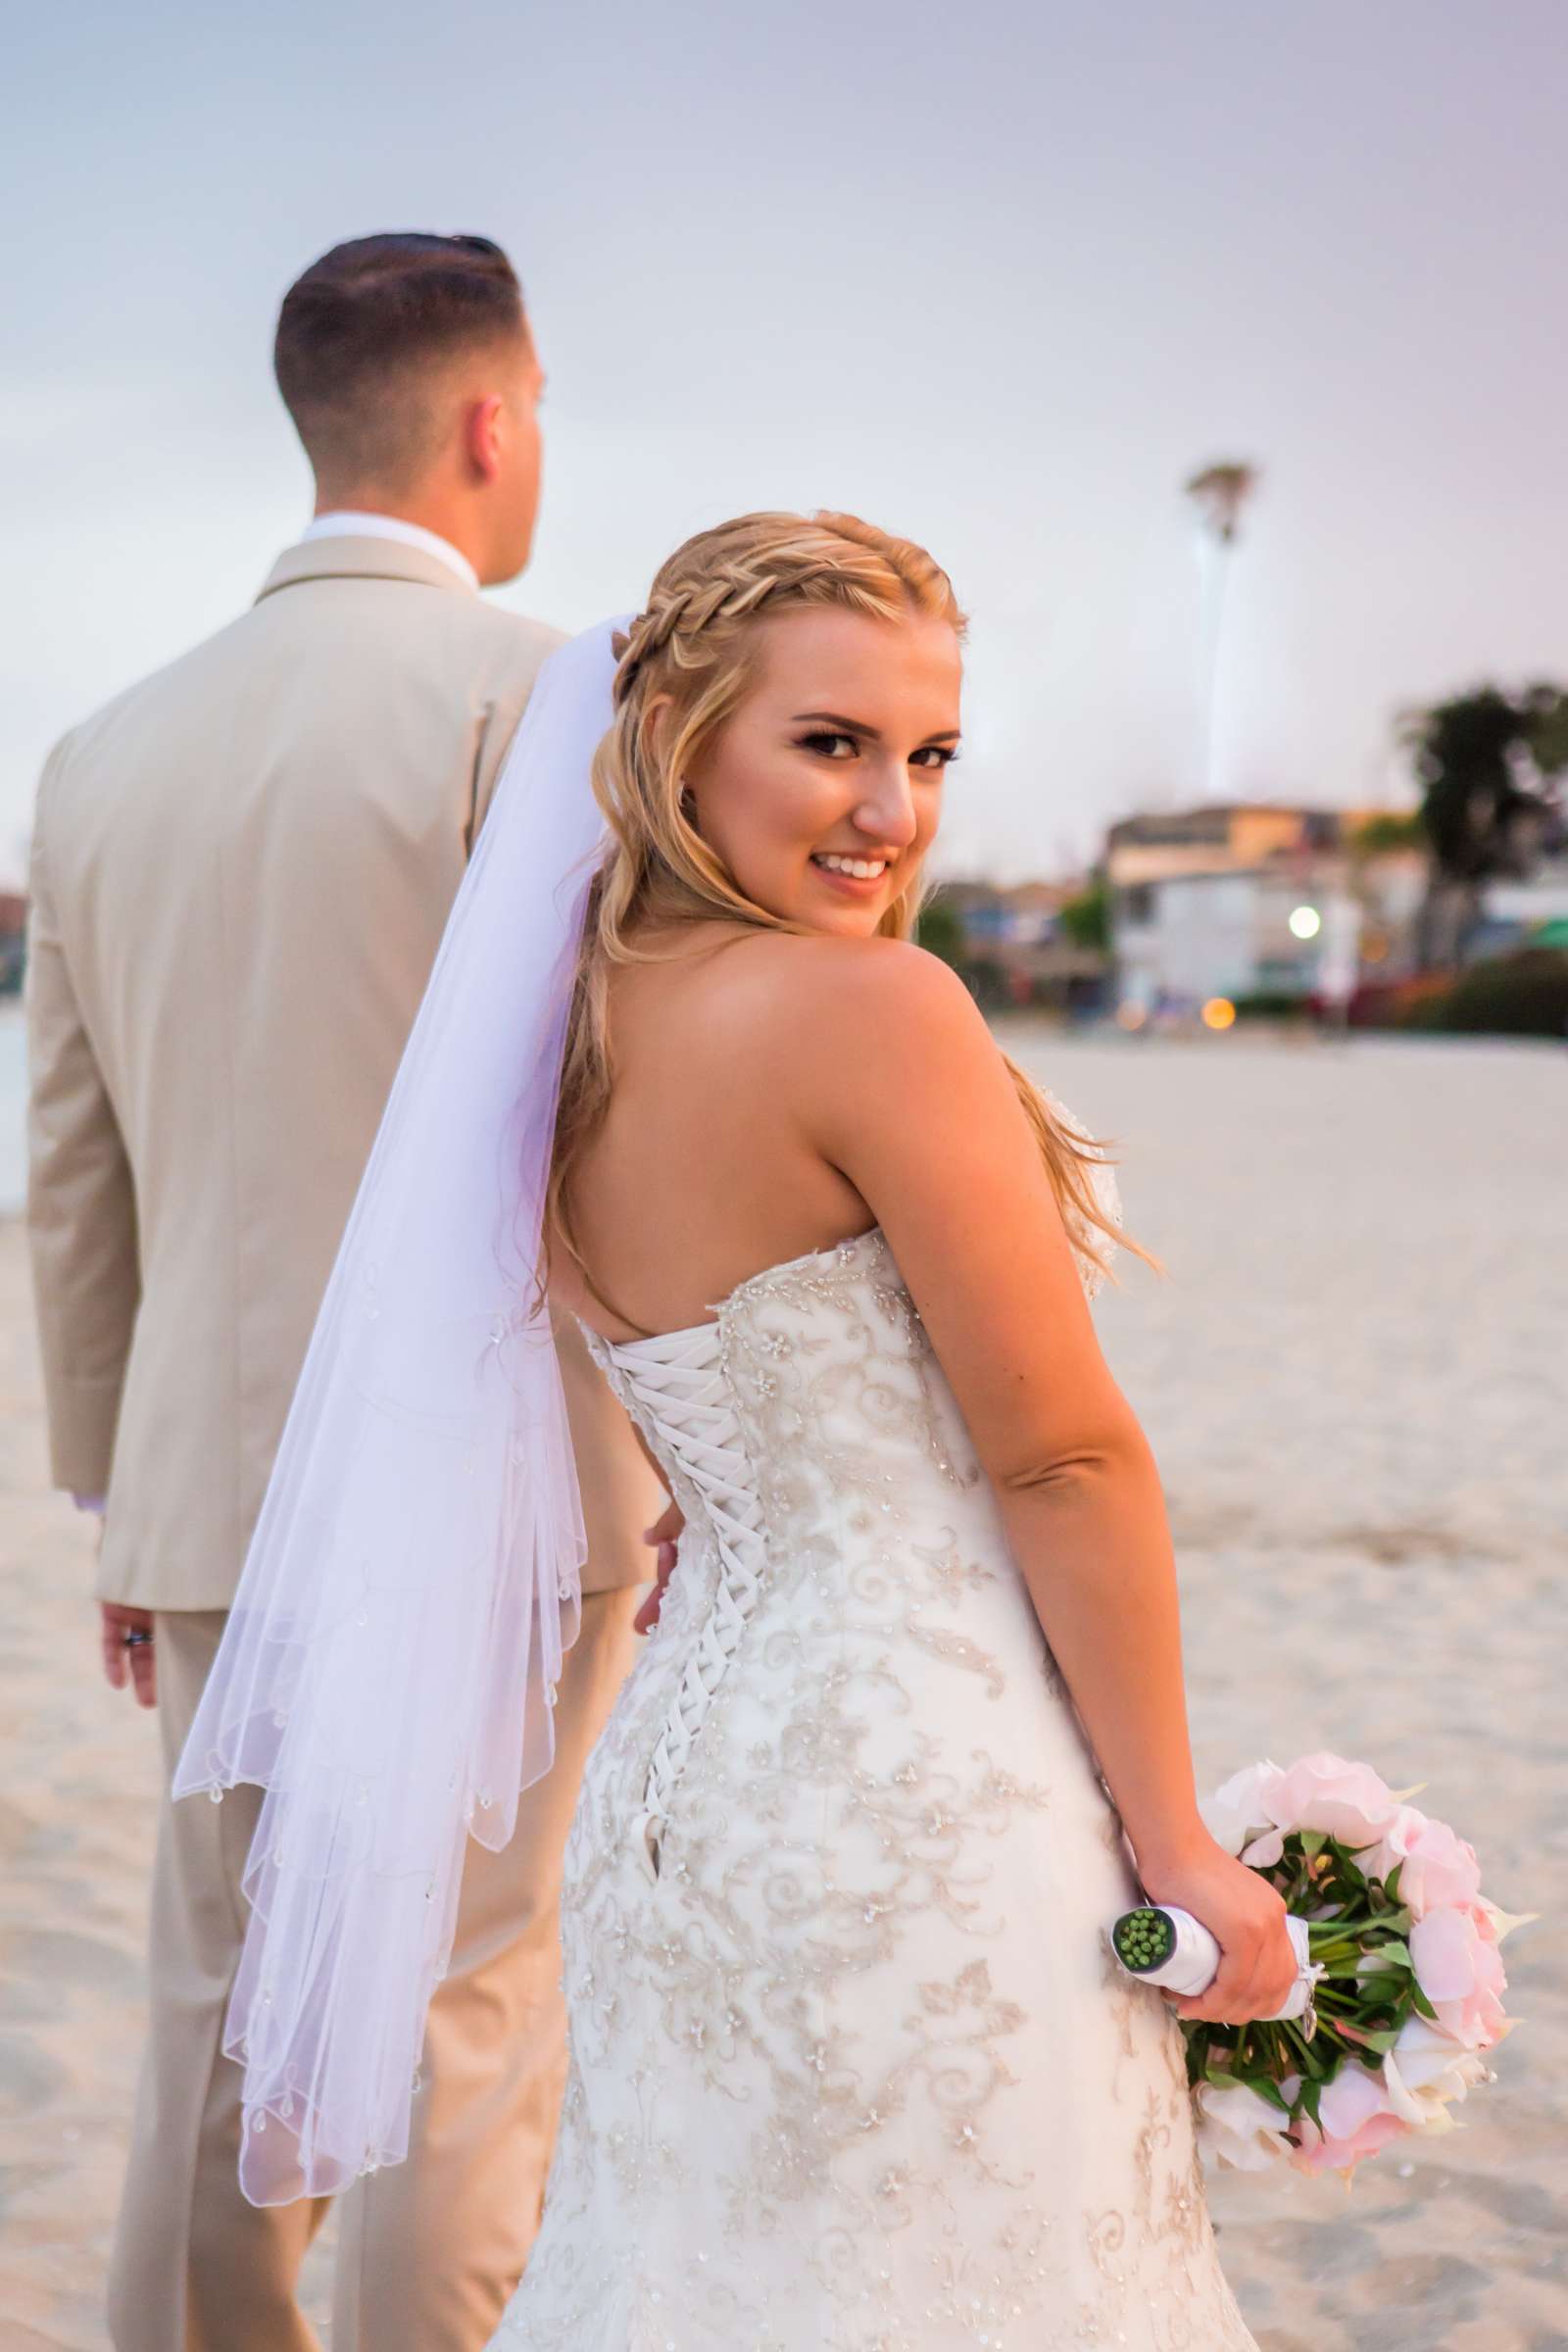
(998, 277)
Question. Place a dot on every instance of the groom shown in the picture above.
(241, 871)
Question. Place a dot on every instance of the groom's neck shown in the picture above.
(430, 509)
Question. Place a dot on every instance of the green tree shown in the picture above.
(1389, 831)
(1219, 493)
(1086, 919)
(940, 932)
(1492, 767)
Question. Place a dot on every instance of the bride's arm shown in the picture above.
(902, 1090)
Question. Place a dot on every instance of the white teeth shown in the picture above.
(864, 870)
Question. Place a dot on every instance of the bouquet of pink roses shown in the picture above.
(1401, 1989)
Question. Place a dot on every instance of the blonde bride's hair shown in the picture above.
(693, 653)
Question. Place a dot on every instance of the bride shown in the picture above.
(851, 2069)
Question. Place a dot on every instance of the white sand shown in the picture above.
(1355, 1383)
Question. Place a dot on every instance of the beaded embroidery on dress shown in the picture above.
(850, 2068)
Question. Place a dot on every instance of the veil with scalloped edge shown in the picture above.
(388, 1670)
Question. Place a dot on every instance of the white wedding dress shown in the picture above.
(852, 2069)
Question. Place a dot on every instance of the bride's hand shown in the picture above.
(663, 1535)
(1245, 1918)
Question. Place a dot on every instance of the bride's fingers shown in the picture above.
(1268, 1981)
(1243, 1999)
(1279, 1976)
(1225, 2003)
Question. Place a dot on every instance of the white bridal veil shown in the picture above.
(388, 1670)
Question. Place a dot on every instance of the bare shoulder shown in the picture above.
(881, 1031)
(814, 995)
(831, 1036)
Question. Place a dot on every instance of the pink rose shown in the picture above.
(1236, 2126)
(1347, 1801)
(1424, 2071)
(1358, 2122)
(1459, 1968)
(1438, 1872)
(1241, 1806)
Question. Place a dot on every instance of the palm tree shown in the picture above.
(1219, 493)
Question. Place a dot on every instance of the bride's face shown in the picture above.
(823, 791)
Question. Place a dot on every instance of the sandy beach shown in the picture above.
(1353, 1379)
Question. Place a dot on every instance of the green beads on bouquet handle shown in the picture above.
(1161, 1944)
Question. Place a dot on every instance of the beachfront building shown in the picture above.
(1254, 900)
(1517, 910)
(1015, 951)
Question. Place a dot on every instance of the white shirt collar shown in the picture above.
(344, 523)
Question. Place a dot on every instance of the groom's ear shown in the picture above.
(484, 435)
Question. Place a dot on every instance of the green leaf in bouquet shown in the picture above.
(1390, 1885)
(1310, 2099)
(1390, 1947)
(1384, 1976)
(1382, 2041)
(1332, 1943)
(1313, 1841)
(1267, 2088)
(1421, 2001)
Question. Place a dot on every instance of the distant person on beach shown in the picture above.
(241, 872)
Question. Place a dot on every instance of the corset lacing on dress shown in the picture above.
(678, 1381)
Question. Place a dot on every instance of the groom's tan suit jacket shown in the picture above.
(241, 872)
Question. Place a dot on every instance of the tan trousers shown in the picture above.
(429, 2250)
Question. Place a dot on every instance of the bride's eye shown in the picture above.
(934, 756)
(823, 742)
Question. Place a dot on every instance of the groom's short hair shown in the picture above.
(363, 334)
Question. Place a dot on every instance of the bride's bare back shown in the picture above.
(703, 1171)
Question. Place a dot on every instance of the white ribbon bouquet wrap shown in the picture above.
(389, 1667)
(1162, 1945)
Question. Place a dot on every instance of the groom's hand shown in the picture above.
(138, 1663)
(663, 1535)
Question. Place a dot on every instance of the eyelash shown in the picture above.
(946, 753)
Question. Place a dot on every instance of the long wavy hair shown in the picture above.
(694, 652)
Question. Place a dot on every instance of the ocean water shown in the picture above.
(13, 1111)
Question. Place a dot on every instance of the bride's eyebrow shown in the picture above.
(860, 726)
(835, 718)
